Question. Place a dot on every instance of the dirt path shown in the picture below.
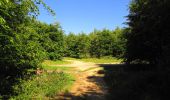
(89, 84)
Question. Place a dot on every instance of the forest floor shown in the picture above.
(89, 83)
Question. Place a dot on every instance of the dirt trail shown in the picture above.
(89, 84)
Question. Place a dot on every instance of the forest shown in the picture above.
(28, 45)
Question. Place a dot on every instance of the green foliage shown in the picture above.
(22, 40)
(51, 39)
(148, 36)
(70, 45)
(107, 43)
(55, 43)
(83, 43)
(20, 48)
(96, 44)
(119, 43)
(43, 86)
(77, 45)
(101, 43)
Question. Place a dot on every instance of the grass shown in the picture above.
(57, 62)
(53, 65)
(69, 58)
(106, 59)
(44, 86)
(61, 68)
(101, 60)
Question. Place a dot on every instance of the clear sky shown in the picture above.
(85, 15)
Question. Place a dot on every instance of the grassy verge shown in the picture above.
(136, 82)
(47, 85)
(44, 86)
(69, 58)
(58, 62)
(102, 60)
(59, 68)
(53, 65)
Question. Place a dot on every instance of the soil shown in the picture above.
(89, 83)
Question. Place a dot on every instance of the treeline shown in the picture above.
(98, 43)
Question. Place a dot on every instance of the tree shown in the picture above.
(19, 49)
(83, 43)
(51, 39)
(107, 43)
(148, 37)
(70, 45)
(119, 42)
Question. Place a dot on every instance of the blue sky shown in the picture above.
(85, 15)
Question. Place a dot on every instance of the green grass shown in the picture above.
(106, 59)
(57, 62)
(101, 60)
(44, 86)
(61, 68)
(53, 65)
(69, 58)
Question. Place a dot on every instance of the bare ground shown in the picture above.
(89, 84)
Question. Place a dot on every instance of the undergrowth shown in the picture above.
(43, 86)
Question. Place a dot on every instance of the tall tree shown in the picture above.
(101, 43)
(148, 37)
(71, 45)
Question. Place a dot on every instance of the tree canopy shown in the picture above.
(148, 36)
(21, 47)
(96, 44)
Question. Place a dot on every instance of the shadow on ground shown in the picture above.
(129, 82)
(92, 93)
(136, 82)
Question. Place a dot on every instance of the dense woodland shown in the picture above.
(98, 43)
(26, 42)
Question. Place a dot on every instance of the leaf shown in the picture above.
(2, 21)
